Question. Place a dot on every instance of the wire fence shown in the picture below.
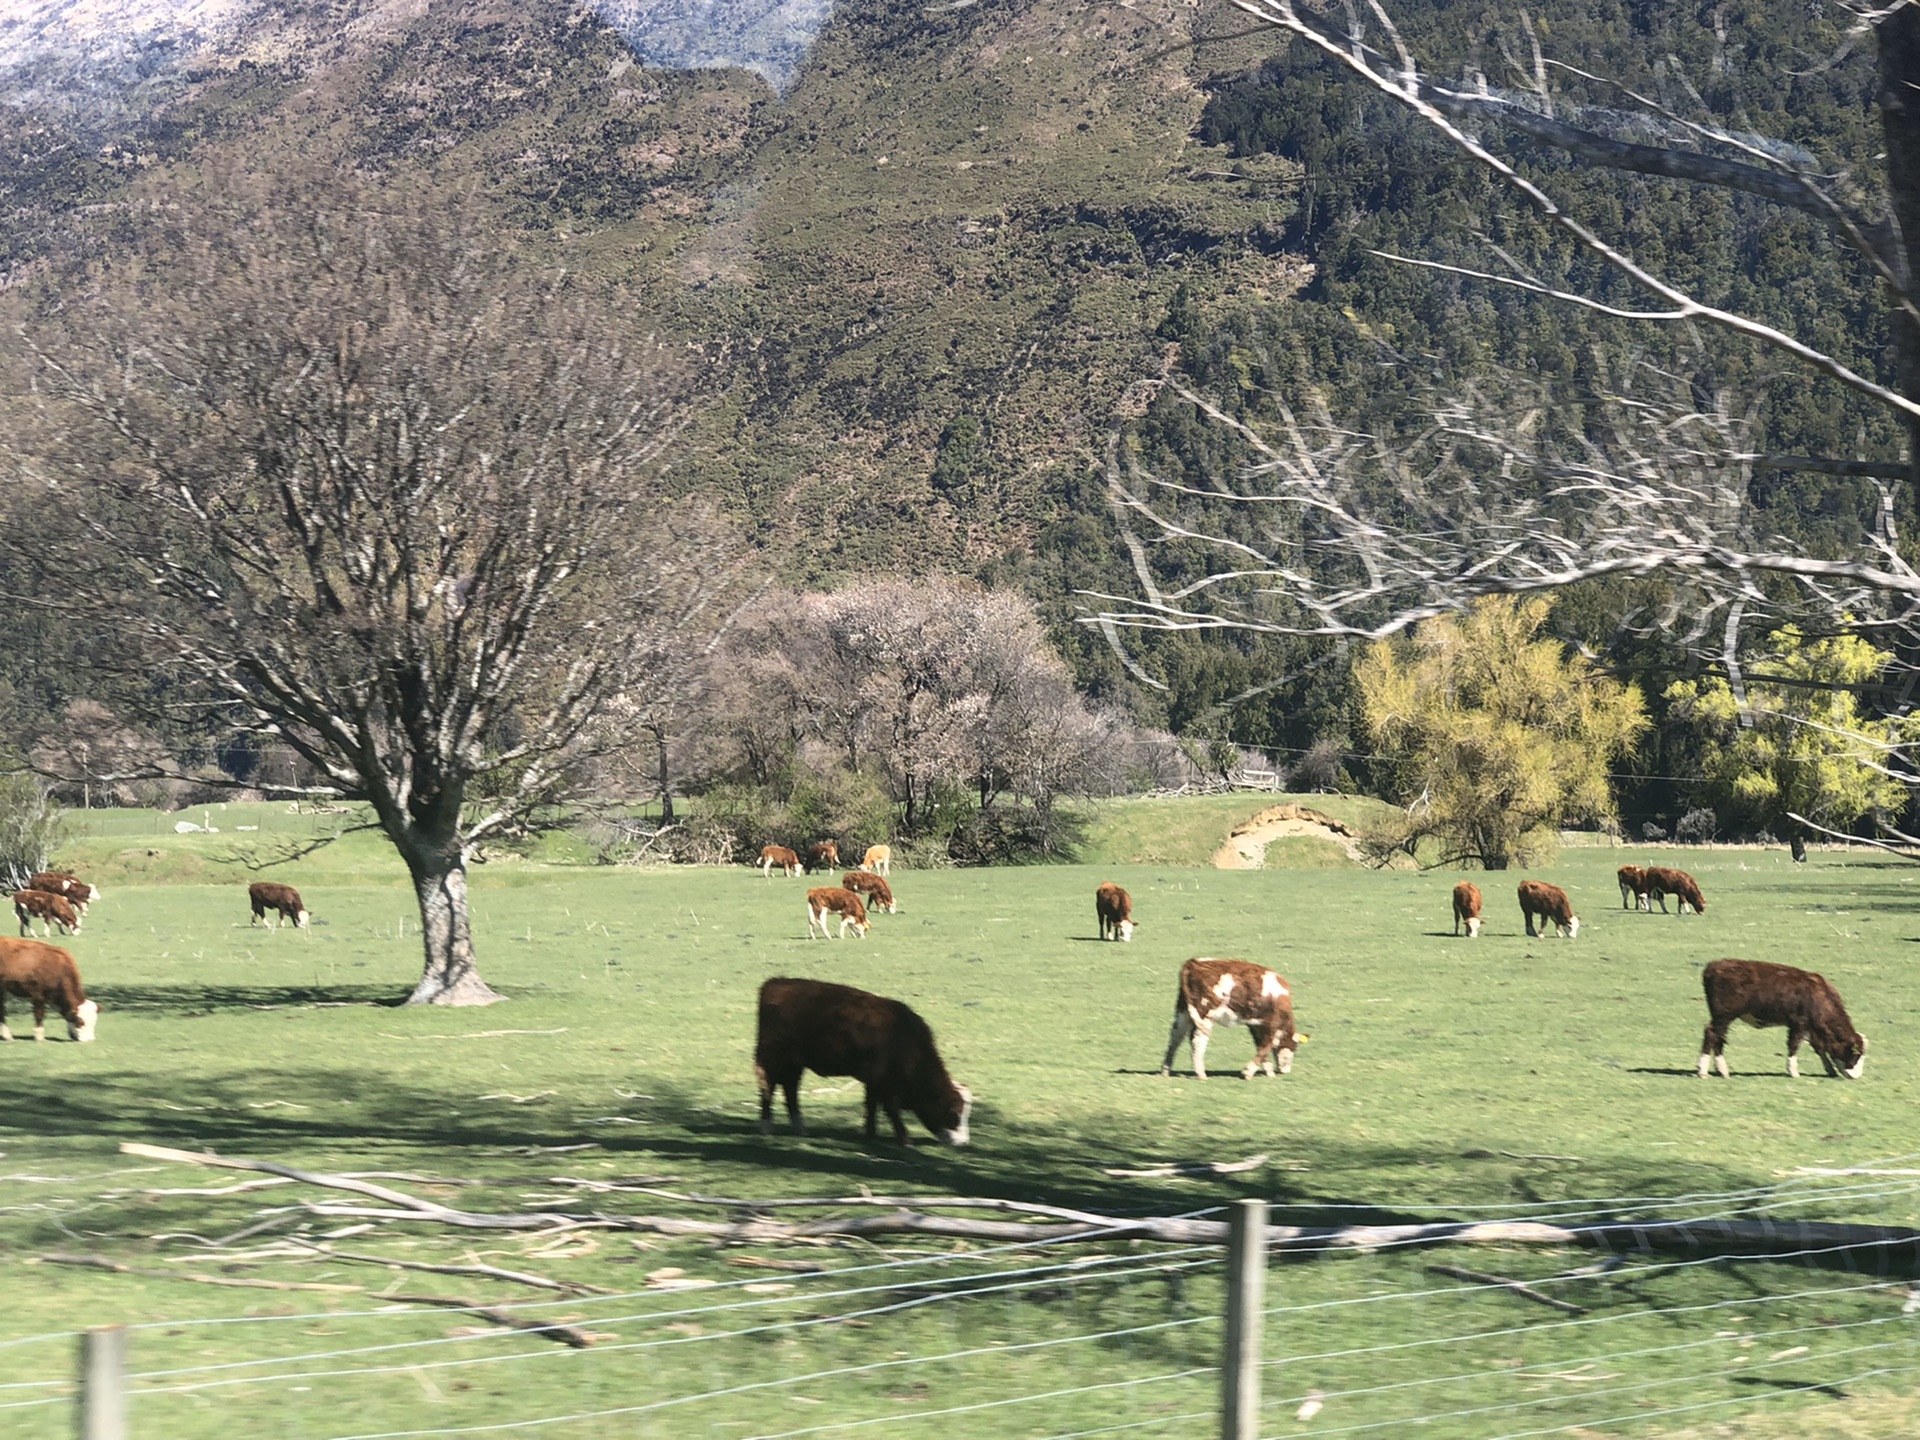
(1053, 1343)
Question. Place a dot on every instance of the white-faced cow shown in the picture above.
(1633, 887)
(838, 1030)
(1662, 882)
(875, 892)
(1549, 902)
(828, 901)
(1466, 906)
(284, 900)
(45, 975)
(64, 883)
(1113, 908)
(1764, 994)
(878, 860)
(1233, 992)
(49, 910)
(781, 857)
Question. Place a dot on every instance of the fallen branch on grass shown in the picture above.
(546, 1329)
(1898, 1247)
(1480, 1277)
(1175, 1169)
(100, 1262)
(492, 1272)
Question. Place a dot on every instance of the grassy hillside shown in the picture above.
(1502, 1073)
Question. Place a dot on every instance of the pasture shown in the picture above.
(1442, 1075)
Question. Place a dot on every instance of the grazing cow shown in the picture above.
(1763, 994)
(44, 975)
(871, 888)
(1549, 902)
(1113, 908)
(831, 900)
(1633, 888)
(780, 855)
(823, 855)
(49, 910)
(838, 1030)
(266, 895)
(1233, 992)
(878, 860)
(1466, 906)
(64, 884)
(1662, 882)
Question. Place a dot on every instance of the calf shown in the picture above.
(838, 1030)
(266, 895)
(1113, 908)
(1633, 888)
(63, 883)
(1466, 906)
(1662, 882)
(44, 975)
(49, 910)
(871, 888)
(1763, 994)
(1233, 992)
(878, 860)
(823, 855)
(780, 855)
(827, 901)
(1549, 902)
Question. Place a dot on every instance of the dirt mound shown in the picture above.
(1246, 847)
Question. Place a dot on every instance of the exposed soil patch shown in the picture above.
(1246, 847)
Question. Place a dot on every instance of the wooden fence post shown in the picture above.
(1246, 1285)
(103, 1383)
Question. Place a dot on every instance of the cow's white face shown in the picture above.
(1126, 930)
(958, 1135)
(1473, 927)
(88, 1027)
(300, 920)
(1573, 927)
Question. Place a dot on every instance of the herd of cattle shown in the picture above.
(838, 1030)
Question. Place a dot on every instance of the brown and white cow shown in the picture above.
(780, 855)
(878, 860)
(267, 895)
(1633, 887)
(1662, 882)
(1113, 908)
(1549, 902)
(45, 975)
(832, 900)
(1764, 994)
(64, 883)
(870, 888)
(838, 1030)
(822, 855)
(1233, 992)
(49, 910)
(1466, 906)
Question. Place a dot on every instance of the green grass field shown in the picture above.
(1435, 1067)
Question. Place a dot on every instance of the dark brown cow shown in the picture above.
(1662, 882)
(831, 900)
(65, 884)
(838, 1030)
(823, 855)
(1633, 888)
(1466, 906)
(284, 899)
(49, 910)
(871, 888)
(1763, 994)
(1233, 992)
(1549, 902)
(44, 975)
(780, 855)
(1113, 908)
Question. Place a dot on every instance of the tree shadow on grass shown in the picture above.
(190, 1000)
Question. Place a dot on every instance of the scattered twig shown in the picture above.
(1174, 1169)
(100, 1262)
(492, 1272)
(549, 1329)
(1517, 1287)
(1518, 1155)
(791, 1267)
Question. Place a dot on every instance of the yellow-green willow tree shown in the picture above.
(1498, 735)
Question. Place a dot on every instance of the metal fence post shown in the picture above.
(103, 1383)
(1246, 1277)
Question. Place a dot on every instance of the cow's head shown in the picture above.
(1851, 1056)
(1573, 927)
(956, 1132)
(300, 920)
(1126, 930)
(88, 1014)
(1473, 927)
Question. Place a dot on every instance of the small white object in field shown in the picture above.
(1309, 1407)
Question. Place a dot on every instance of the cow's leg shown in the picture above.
(1794, 1036)
(39, 1019)
(892, 1105)
(810, 919)
(1262, 1036)
(873, 1111)
(1202, 1032)
(26, 925)
(1528, 914)
(1182, 1028)
(765, 1084)
(1713, 1045)
(1833, 1070)
(5, 1033)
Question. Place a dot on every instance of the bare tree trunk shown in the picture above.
(665, 783)
(451, 976)
(1899, 35)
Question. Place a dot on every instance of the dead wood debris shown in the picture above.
(1518, 1287)
(547, 1329)
(100, 1262)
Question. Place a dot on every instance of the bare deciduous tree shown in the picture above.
(342, 469)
